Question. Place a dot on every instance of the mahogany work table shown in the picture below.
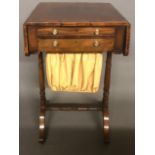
(75, 27)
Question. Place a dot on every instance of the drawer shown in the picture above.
(75, 45)
(77, 32)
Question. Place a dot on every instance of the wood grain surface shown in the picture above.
(74, 14)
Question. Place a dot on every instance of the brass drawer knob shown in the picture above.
(97, 32)
(55, 31)
(55, 43)
(96, 43)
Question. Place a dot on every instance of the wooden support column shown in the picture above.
(42, 99)
(106, 97)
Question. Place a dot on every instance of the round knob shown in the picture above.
(55, 31)
(96, 43)
(55, 43)
(97, 32)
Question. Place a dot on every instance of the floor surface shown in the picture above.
(75, 133)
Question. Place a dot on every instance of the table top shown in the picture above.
(76, 14)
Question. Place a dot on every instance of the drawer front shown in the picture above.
(77, 32)
(75, 45)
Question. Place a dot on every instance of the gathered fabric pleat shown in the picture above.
(79, 72)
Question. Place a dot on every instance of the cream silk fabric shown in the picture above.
(74, 72)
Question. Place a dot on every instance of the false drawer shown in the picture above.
(75, 45)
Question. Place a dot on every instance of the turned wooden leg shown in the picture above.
(106, 98)
(42, 99)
